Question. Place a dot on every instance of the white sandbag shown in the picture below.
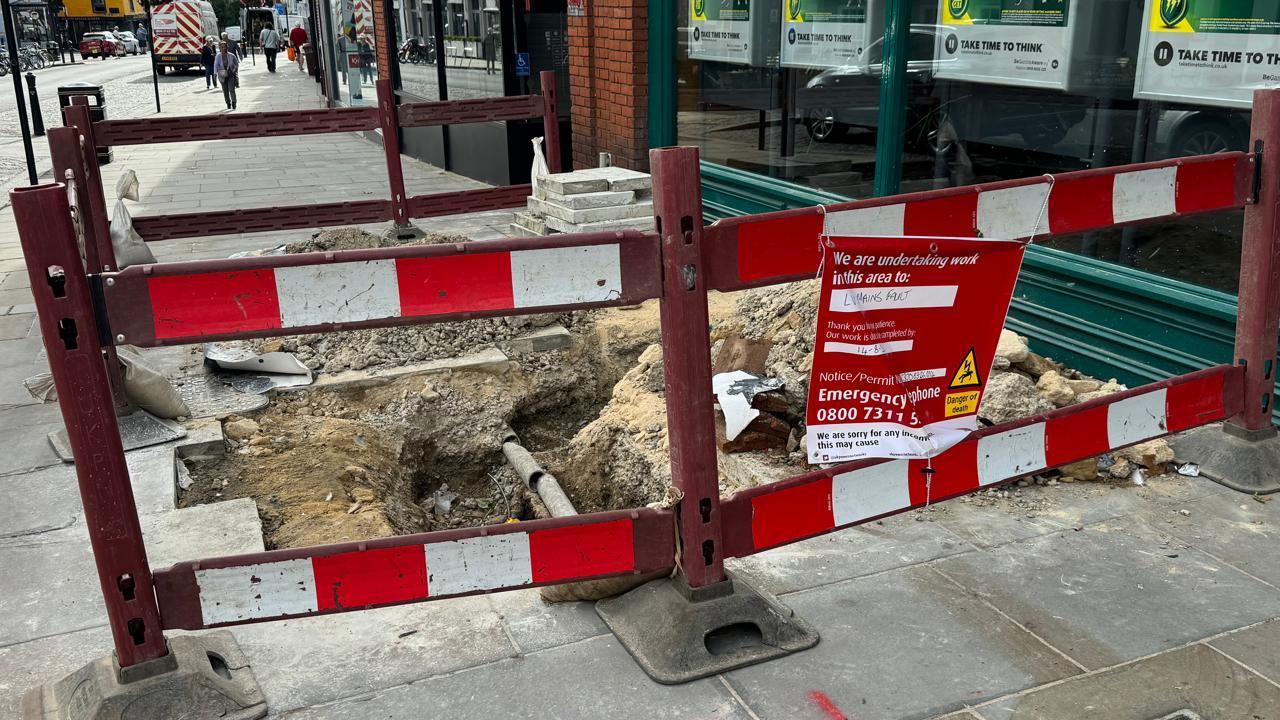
(129, 246)
(539, 168)
(127, 186)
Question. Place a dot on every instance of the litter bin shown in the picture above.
(312, 58)
(97, 109)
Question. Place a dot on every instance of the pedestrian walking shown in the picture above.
(342, 46)
(232, 45)
(142, 37)
(269, 39)
(298, 38)
(366, 60)
(227, 67)
(206, 61)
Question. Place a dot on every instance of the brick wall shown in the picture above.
(608, 83)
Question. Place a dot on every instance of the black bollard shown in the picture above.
(37, 120)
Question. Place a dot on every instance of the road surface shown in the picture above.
(126, 82)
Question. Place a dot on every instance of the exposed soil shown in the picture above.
(421, 453)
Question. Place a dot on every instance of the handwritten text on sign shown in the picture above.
(907, 329)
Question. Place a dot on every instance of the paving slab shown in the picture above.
(592, 679)
(902, 644)
(1194, 678)
(39, 502)
(855, 552)
(1257, 647)
(60, 591)
(323, 659)
(32, 663)
(1232, 526)
(537, 625)
(987, 526)
(1113, 591)
(27, 445)
(1069, 505)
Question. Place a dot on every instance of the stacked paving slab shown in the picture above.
(607, 198)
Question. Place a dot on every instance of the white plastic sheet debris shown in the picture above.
(240, 355)
(1189, 469)
(735, 392)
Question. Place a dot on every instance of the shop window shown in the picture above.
(997, 89)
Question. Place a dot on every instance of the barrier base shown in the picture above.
(138, 429)
(1226, 456)
(678, 634)
(203, 676)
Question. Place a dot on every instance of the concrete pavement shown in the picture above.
(1110, 602)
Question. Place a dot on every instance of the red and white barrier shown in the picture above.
(207, 300)
(782, 246)
(384, 576)
(812, 505)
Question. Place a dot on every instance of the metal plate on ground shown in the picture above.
(138, 429)
(210, 396)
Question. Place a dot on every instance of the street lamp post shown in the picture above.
(155, 74)
(11, 37)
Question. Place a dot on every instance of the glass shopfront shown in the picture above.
(457, 50)
(996, 89)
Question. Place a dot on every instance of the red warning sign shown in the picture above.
(907, 330)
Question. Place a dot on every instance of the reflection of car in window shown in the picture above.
(840, 98)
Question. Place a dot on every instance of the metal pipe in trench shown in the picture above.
(536, 478)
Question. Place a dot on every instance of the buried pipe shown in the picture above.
(547, 488)
(538, 480)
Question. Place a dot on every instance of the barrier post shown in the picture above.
(142, 664)
(550, 119)
(70, 166)
(389, 118)
(667, 624)
(61, 292)
(94, 203)
(1245, 456)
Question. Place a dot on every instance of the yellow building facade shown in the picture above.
(103, 9)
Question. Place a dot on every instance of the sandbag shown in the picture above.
(148, 388)
(129, 247)
(539, 168)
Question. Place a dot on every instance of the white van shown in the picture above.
(179, 28)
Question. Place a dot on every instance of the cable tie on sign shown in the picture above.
(1044, 208)
(824, 241)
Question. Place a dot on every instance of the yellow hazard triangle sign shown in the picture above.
(967, 374)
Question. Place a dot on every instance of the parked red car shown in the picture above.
(100, 45)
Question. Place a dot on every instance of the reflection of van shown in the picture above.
(178, 29)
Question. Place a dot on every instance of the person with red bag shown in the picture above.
(297, 38)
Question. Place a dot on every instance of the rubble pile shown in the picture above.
(380, 347)
(1022, 383)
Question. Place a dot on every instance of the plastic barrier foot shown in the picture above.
(678, 634)
(1244, 461)
(203, 676)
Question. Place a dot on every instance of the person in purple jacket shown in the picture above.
(227, 67)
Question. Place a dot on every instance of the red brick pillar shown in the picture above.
(608, 83)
